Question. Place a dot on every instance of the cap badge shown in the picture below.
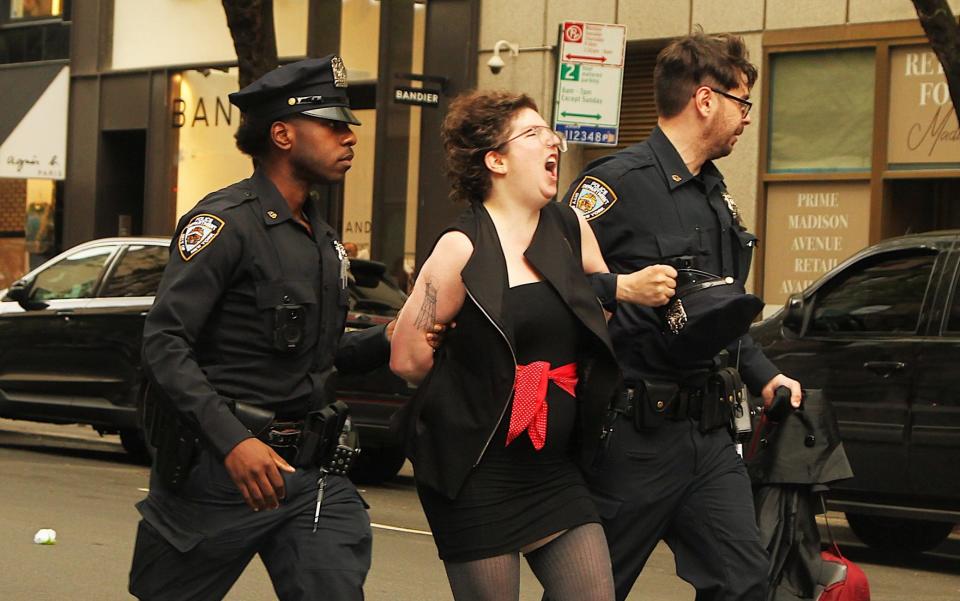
(676, 317)
(272, 214)
(295, 100)
(676, 178)
(339, 72)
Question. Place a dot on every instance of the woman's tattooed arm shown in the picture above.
(427, 316)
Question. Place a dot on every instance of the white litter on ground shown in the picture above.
(45, 536)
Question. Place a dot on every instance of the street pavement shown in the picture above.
(82, 485)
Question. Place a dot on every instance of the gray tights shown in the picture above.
(573, 567)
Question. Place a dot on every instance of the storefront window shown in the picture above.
(359, 38)
(359, 47)
(358, 187)
(33, 9)
(205, 122)
(34, 30)
(821, 116)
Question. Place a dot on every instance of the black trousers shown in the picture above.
(690, 489)
(193, 545)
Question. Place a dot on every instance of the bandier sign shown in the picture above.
(589, 80)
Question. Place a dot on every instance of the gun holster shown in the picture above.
(320, 442)
(256, 419)
(723, 395)
(175, 445)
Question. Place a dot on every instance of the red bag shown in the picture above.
(849, 584)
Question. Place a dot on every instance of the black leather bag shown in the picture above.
(804, 447)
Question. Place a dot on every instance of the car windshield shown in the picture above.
(371, 291)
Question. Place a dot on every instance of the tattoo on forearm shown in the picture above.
(427, 316)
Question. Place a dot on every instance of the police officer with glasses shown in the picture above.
(671, 470)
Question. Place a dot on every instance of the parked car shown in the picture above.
(880, 334)
(70, 336)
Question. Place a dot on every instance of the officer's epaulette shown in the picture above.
(226, 198)
(614, 166)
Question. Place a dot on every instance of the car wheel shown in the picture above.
(134, 443)
(896, 534)
(377, 464)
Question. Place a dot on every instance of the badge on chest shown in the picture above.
(344, 263)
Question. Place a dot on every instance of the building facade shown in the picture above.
(853, 136)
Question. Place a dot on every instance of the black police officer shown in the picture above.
(251, 310)
(663, 477)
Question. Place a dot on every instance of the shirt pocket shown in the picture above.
(285, 292)
(674, 245)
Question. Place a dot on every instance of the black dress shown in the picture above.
(517, 494)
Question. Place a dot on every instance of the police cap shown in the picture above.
(707, 313)
(315, 86)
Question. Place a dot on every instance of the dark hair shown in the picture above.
(253, 136)
(699, 59)
(477, 122)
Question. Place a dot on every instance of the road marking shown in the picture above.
(399, 529)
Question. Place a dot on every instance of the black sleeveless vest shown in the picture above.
(456, 410)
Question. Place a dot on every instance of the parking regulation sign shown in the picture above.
(589, 80)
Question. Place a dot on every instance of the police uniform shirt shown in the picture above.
(209, 338)
(647, 208)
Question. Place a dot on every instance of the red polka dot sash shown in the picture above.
(530, 398)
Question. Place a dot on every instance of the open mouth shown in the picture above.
(551, 165)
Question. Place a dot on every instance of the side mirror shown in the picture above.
(19, 291)
(794, 313)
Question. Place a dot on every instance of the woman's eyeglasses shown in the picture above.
(547, 136)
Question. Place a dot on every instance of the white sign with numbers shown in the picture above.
(589, 81)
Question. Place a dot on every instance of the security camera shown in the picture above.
(496, 63)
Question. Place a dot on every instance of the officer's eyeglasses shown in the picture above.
(745, 105)
(547, 137)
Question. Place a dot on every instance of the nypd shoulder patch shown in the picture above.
(592, 197)
(198, 234)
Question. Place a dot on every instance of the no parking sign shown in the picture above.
(589, 81)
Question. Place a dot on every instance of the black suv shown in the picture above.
(70, 335)
(880, 334)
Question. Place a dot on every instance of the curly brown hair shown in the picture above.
(695, 60)
(476, 122)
